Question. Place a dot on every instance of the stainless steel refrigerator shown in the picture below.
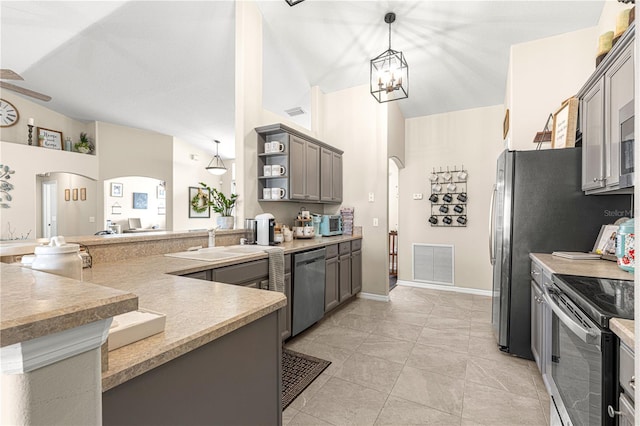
(538, 207)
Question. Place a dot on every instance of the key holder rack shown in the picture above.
(449, 197)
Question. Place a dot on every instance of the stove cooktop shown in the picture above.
(600, 298)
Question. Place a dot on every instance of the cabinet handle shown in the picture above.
(613, 413)
(534, 273)
(598, 179)
(632, 383)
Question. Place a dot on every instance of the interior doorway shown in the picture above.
(49, 208)
(394, 199)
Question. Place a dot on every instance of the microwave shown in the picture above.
(330, 225)
(627, 141)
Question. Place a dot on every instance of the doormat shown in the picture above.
(298, 372)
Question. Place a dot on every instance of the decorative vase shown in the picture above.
(83, 149)
(225, 222)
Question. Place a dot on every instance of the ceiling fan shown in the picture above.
(7, 74)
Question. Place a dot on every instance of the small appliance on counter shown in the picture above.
(250, 231)
(625, 246)
(58, 258)
(331, 225)
(265, 224)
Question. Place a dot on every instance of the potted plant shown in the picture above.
(84, 146)
(221, 204)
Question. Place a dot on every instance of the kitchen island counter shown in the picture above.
(197, 311)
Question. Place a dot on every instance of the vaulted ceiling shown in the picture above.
(168, 66)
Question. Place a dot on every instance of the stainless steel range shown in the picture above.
(582, 370)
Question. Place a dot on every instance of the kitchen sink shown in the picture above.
(244, 249)
(206, 254)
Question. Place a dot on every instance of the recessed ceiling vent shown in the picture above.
(294, 111)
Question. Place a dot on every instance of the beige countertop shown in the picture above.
(198, 312)
(587, 268)
(624, 329)
(35, 304)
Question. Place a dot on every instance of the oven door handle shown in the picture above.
(587, 336)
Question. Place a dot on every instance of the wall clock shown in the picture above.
(8, 114)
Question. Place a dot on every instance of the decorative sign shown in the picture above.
(48, 138)
(565, 121)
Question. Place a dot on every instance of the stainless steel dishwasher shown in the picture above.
(307, 289)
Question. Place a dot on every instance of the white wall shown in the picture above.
(354, 122)
(28, 161)
(473, 138)
(149, 217)
(188, 172)
(74, 217)
(394, 196)
(124, 151)
(542, 74)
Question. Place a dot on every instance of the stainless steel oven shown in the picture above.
(580, 350)
(583, 365)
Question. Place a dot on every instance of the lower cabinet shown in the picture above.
(331, 281)
(356, 272)
(255, 274)
(344, 277)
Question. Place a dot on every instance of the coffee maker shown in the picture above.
(265, 226)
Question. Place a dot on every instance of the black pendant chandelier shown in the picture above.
(216, 166)
(293, 2)
(389, 76)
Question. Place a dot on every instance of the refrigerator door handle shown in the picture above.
(492, 257)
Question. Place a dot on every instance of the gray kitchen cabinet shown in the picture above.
(626, 381)
(610, 88)
(304, 169)
(344, 271)
(540, 318)
(331, 287)
(285, 313)
(331, 176)
(356, 272)
(303, 178)
(202, 275)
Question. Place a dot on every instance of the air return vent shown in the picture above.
(433, 263)
(294, 111)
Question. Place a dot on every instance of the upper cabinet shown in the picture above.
(604, 103)
(296, 167)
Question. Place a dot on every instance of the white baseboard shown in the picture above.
(371, 296)
(466, 290)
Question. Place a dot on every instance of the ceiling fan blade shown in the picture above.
(8, 74)
(24, 91)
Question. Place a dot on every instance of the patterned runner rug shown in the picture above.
(298, 371)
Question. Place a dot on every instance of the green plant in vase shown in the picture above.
(84, 146)
(222, 205)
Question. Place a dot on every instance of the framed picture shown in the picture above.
(67, 194)
(606, 241)
(198, 198)
(565, 122)
(116, 189)
(83, 194)
(162, 192)
(48, 138)
(140, 200)
(75, 194)
(505, 124)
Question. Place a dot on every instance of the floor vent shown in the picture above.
(433, 263)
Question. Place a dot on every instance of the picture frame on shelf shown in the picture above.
(197, 198)
(116, 189)
(161, 192)
(48, 138)
(606, 242)
(140, 200)
(565, 123)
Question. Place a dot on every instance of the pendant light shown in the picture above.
(389, 76)
(216, 166)
(293, 2)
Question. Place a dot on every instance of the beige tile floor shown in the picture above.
(425, 358)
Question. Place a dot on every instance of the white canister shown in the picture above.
(59, 258)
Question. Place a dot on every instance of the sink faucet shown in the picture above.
(212, 237)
